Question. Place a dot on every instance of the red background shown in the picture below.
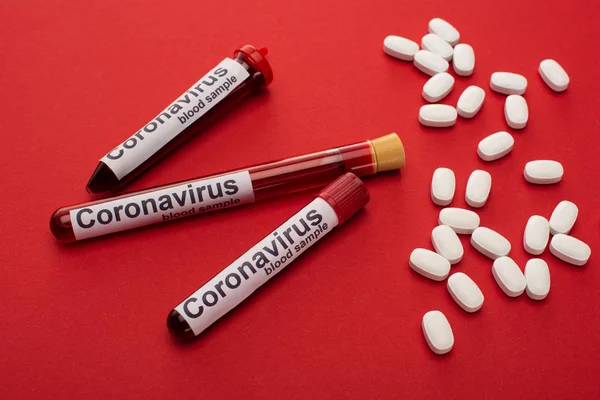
(88, 320)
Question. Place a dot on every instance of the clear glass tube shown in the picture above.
(279, 177)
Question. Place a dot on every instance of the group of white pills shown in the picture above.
(440, 47)
(535, 280)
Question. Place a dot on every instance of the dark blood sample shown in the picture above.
(203, 103)
(331, 208)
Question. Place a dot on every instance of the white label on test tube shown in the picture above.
(195, 102)
(259, 264)
(148, 208)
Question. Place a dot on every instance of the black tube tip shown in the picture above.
(103, 180)
(179, 327)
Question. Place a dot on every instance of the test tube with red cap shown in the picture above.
(206, 100)
(332, 207)
(226, 189)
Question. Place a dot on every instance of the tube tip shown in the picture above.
(179, 327)
(103, 180)
(263, 51)
(389, 152)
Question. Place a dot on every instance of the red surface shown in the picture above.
(88, 320)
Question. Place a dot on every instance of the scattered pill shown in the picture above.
(463, 59)
(429, 264)
(537, 233)
(443, 184)
(438, 87)
(400, 48)
(438, 332)
(554, 75)
(470, 101)
(478, 188)
(495, 146)
(570, 249)
(435, 44)
(516, 111)
(447, 244)
(563, 217)
(462, 221)
(444, 30)
(437, 115)
(537, 276)
(509, 276)
(508, 83)
(465, 292)
(490, 243)
(430, 63)
(543, 172)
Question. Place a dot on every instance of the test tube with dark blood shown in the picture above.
(333, 206)
(206, 100)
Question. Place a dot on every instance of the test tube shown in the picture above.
(332, 207)
(206, 100)
(225, 190)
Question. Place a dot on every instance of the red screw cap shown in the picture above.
(257, 60)
(346, 195)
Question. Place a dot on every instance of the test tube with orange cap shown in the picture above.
(226, 189)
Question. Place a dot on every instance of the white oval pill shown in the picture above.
(460, 220)
(495, 146)
(537, 233)
(509, 276)
(438, 87)
(470, 101)
(463, 59)
(437, 115)
(429, 264)
(444, 30)
(563, 217)
(400, 48)
(516, 111)
(435, 44)
(465, 292)
(447, 244)
(438, 332)
(570, 249)
(537, 276)
(508, 83)
(478, 188)
(443, 184)
(554, 75)
(430, 63)
(490, 243)
(543, 172)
